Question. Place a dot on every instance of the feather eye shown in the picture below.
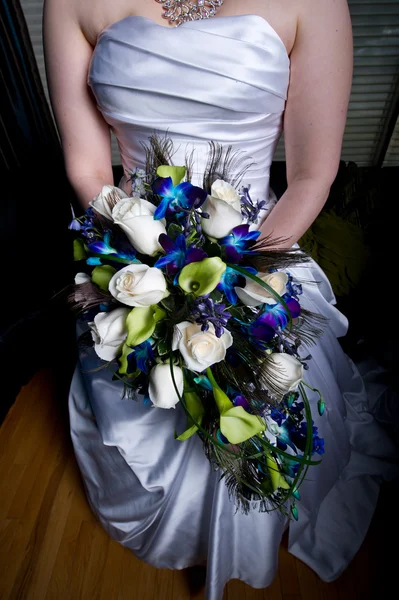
(226, 165)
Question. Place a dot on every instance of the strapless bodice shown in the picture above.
(223, 79)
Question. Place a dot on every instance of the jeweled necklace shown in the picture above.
(180, 11)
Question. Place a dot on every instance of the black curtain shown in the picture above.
(35, 202)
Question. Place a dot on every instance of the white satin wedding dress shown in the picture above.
(223, 79)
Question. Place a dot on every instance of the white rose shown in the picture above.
(108, 331)
(200, 349)
(136, 217)
(82, 278)
(224, 191)
(288, 370)
(106, 199)
(224, 209)
(254, 294)
(138, 285)
(161, 390)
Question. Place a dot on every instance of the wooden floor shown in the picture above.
(52, 547)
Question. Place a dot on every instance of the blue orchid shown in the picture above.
(103, 247)
(299, 436)
(177, 254)
(239, 243)
(141, 355)
(231, 279)
(283, 434)
(175, 198)
(203, 381)
(274, 316)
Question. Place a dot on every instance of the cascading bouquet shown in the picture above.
(192, 307)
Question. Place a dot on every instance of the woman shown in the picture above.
(233, 78)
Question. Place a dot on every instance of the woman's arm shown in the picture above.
(315, 115)
(85, 136)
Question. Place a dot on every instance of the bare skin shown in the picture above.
(317, 35)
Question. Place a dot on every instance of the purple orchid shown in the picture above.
(177, 254)
(239, 243)
(175, 198)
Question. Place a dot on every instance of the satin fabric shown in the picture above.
(223, 79)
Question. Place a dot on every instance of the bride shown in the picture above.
(235, 78)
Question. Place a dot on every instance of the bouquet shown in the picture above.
(190, 306)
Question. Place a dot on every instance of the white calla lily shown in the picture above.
(254, 294)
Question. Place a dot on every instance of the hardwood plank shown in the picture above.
(273, 592)
(146, 589)
(235, 589)
(95, 566)
(112, 573)
(33, 579)
(130, 576)
(80, 561)
(181, 588)
(30, 529)
(44, 445)
(11, 438)
(308, 582)
(328, 591)
(254, 594)
(10, 484)
(6, 543)
(16, 418)
(163, 584)
(63, 567)
(287, 571)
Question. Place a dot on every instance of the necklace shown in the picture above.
(180, 11)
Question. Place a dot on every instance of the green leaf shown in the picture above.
(169, 303)
(276, 477)
(79, 252)
(212, 248)
(163, 348)
(238, 425)
(186, 434)
(174, 230)
(202, 277)
(159, 313)
(126, 350)
(176, 173)
(141, 322)
(216, 296)
(101, 276)
(195, 410)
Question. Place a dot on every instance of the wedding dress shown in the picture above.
(223, 79)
